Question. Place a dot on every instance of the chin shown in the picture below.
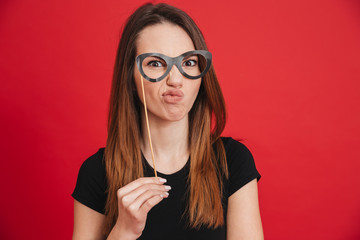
(170, 116)
(174, 117)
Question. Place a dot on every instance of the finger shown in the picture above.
(150, 203)
(143, 198)
(138, 182)
(133, 195)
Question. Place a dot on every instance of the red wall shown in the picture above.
(290, 72)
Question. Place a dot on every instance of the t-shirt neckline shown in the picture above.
(180, 173)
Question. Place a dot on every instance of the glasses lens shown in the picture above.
(154, 66)
(194, 64)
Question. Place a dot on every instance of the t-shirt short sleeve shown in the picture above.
(241, 165)
(91, 183)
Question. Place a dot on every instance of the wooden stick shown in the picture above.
(147, 124)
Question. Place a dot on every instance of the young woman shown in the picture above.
(213, 179)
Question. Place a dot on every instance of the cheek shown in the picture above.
(196, 87)
(194, 90)
(151, 89)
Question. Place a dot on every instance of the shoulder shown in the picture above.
(235, 149)
(93, 168)
(241, 164)
(95, 162)
(91, 182)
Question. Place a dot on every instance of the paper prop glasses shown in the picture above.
(156, 66)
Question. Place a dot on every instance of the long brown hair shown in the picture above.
(123, 159)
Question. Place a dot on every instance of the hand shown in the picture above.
(135, 201)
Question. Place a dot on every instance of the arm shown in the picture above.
(243, 215)
(88, 223)
(134, 202)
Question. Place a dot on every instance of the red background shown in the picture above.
(289, 71)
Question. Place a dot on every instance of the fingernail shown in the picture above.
(167, 193)
(167, 187)
(162, 180)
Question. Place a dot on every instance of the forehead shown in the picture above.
(165, 38)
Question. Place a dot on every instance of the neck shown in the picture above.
(169, 140)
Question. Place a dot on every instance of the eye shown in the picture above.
(190, 63)
(155, 64)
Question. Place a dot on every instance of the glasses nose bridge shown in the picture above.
(175, 62)
(175, 76)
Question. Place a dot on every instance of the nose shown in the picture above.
(175, 78)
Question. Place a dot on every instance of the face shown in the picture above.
(171, 98)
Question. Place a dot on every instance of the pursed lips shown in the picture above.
(173, 96)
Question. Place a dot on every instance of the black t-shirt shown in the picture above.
(166, 220)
